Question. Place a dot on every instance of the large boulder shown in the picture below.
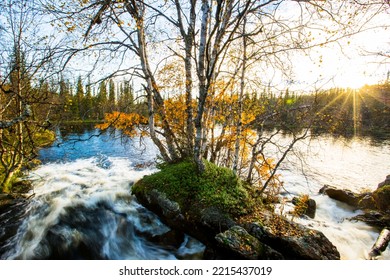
(373, 218)
(225, 238)
(385, 182)
(245, 246)
(381, 197)
(300, 243)
(342, 195)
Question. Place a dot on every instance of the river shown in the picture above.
(82, 208)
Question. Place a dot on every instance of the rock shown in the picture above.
(373, 218)
(382, 198)
(344, 195)
(385, 182)
(245, 246)
(22, 186)
(215, 221)
(367, 202)
(225, 238)
(309, 204)
(168, 209)
(305, 244)
(170, 238)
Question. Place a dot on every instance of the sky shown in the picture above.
(352, 62)
(345, 64)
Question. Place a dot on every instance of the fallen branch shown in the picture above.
(380, 245)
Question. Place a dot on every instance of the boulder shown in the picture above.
(342, 195)
(367, 201)
(373, 218)
(309, 206)
(381, 197)
(300, 244)
(240, 243)
(385, 182)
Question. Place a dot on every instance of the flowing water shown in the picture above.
(357, 164)
(82, 208)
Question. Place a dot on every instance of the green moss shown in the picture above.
(217, 186)
(382, 198)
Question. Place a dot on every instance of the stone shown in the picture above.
(342, 195)
(367, 202)
(239, 242)
(385, 182)
(382, 198)
(374, 219)
(305, 244)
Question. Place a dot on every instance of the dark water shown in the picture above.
(83, 207)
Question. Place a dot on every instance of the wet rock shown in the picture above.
(373, 218)
(342, 195)
(169, 211)
(385, 182)
(367, 202)
(215, 221)
(12, 213)
(305, 244)
(171, 238)
(381, 197)
(309, 204)
(240, 243)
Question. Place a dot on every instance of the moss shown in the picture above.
(217, 186)
(382, 198)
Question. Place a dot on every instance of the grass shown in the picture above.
(217, 186)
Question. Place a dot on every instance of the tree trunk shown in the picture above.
(240, 100)
(202, 86)
(157, 102)
(381, 244)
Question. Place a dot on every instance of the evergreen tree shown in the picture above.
(111, 95)
(78, 110)
(126, 97)
(101, 100)
(65, 98)
(88, 102)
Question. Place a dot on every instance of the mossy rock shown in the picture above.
(217, 186)
(382, 198)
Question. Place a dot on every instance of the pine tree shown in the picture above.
(88, 102)
(78, 100)
(101, 100)
(126, 98)
(111, 95)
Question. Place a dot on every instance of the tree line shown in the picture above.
(83, 101)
